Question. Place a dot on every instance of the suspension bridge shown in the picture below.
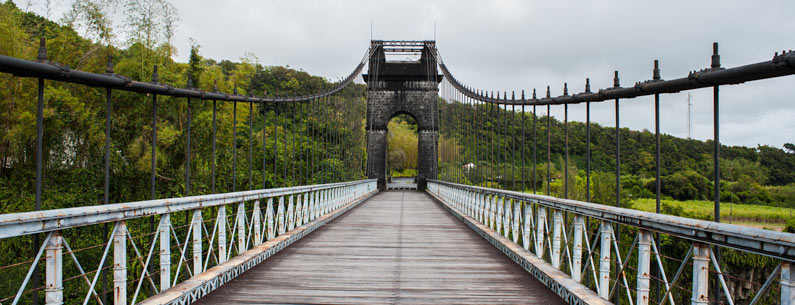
(365, 239)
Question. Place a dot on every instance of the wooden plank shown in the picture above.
(398, 247)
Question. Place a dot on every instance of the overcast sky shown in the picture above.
(514, 45)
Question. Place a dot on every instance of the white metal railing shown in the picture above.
(284, 209)
(556, 231)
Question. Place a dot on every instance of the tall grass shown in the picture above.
(730, 212)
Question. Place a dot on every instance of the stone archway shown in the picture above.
(402, 87)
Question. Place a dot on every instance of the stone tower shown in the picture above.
(402, 87)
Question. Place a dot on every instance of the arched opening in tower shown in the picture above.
(402, 147)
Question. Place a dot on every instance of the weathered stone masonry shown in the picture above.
(402, 88)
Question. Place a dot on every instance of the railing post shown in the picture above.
(290, 214)
(474, 197)
(165, 252)
(700, 274)
(492, 210)
(461, 201)
(644, 267)
(787, 284)
(197, 240)
(311, 205)
(53, 288)
(576, 255)
(256, 218)
(324, 202)
(280, 217)
(517, 212)
(220, 222)
(457, 200)
(469, 199)
(604, 259)
(269, 214)
(528, 216)
(506, 221)
(341, 195)
(306, 206)
(484, 206)
(499, 202)
(540, 221)
(120, 264)
(318, 204)
(557, 224)
(336, 198)
(299, 208)
(328, 206)
(321, 203)
(241, 228)
(467, 203)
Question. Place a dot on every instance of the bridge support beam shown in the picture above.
(53, 288)
(506, 222)
(290, 214)
(606, 233)
(517, 212)
(540, 224)
(499, 202)
(197, 240)
(787, 284)
(165, 251)
(644, 267)
(280, 216)
(306, 211)
(700, 274)
(120, 264)
(269, 222)
(528, 218)
(576, 255)
(241, 228)
(220, 222)
(256, 217)
(299, 209)
(557, 224)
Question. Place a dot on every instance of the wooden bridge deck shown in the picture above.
(398, 247)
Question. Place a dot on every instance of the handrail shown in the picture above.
(265, 221)
(760, 241)
(550, 238)
(19, 224)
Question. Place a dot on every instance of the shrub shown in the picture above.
(790, 227)
(687, 185)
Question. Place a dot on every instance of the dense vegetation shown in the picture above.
(328, 143)
(75, 115)
(763, 175)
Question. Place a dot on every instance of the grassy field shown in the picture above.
(751, 215)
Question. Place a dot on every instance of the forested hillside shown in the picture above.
(74, 117)
(756, 175)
